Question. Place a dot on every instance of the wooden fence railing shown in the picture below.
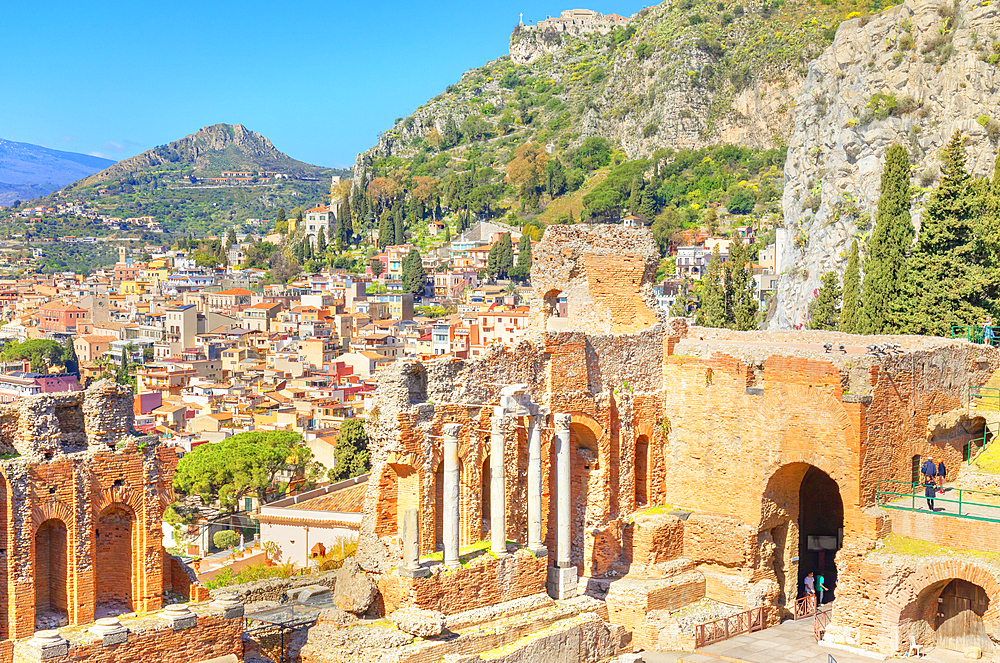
(718, 630)
(804, 607)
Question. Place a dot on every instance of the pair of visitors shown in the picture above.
(929, 469)
(815, 584)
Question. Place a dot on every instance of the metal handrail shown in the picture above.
(717, 630)
(820, 621)
(981, 394)
(961, 502)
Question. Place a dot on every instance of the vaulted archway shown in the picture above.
(115, 539)
(51, 574)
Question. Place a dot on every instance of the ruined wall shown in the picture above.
(606, 274)
(79, 476)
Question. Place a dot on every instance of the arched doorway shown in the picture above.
(115, 542)
(439, 507)
(585, 489)
(487, 479)
(958, 620)
(641, 471)
(51, 595)
(555, 309)
(803, 516)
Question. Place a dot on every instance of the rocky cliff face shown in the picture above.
(912, 75)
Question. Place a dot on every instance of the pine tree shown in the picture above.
(397, 225)
(881, 294)
(712, 305)
(824, 311)
(414, 275)
(946, 276)
(851, 294)
(320, 242)
(740, 305)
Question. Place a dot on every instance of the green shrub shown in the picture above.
(650, 130)
(225, 539)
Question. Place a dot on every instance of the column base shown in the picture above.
(415, 573)
(539, 551)
(562, 583)
(453, 564)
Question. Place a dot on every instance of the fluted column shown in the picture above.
(563, 490)
(535, 422)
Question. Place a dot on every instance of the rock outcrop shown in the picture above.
(914, 75)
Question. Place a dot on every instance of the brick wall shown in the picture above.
(951, 532)
(213, 637)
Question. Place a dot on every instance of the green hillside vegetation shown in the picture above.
(515, 142)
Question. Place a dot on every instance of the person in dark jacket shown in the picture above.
(929, 490)
(929, 469)
(942, 471)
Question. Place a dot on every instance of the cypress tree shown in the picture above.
(321, 242)
(386, 235)
(946, 278)
(522, 270)
(398, 225)
(414, 275)
(635, 197)
(824, 311)
(851, 293)
(345, 227)
(740, 305)
(882, 294)
(447, 233)
(712, 308)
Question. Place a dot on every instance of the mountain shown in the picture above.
(207, 153)
(30, 171)
(913, 75)
(182, 185)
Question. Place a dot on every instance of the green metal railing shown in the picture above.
(973, 334)
(890, 495)
(984, 398)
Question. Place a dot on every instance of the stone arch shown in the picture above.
(48, 510)
(117, 495)
(783, 530)
(50, 548)
(589, 474)
(910, 609)
(116, 541)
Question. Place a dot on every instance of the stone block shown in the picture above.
(562, 583)
(46, 644)
(179, 616)
(110, 630)
(423, 623)
(231, 606)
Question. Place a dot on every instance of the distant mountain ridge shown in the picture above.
(30, 171)
(208, 152)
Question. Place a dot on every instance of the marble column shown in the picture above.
(450, 515)
(535, 423)
(563, 490)
(411, 546)
(498, 531)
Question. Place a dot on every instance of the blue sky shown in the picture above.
(320, 79)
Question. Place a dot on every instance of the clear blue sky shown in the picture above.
(320, 79)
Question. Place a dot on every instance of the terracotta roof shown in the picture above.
(345, 500)
(234, 291)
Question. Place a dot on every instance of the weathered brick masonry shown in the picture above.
(732, 426)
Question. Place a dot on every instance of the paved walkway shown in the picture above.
(949, 503)
(789, 642)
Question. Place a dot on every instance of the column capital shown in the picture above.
(451, 430)
(562, 421)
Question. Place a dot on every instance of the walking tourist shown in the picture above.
(988, 330)
(820, 588)
(929, 469)
(929, 490)
(810, 583)
(942, 471)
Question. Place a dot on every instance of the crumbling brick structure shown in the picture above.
(773, 444)
(80, 530)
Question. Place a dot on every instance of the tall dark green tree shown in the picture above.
(321, 242)
(740, 303)
(397, 225)
(345, 227)
(522, 270)
(351, 453)
(945, 275)
(231, 238)
(851, 296)
(824, 311)
(447, 233)
(414, 276)
(885, 267)
(386, 233)
(500, 260)
(712, 300)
